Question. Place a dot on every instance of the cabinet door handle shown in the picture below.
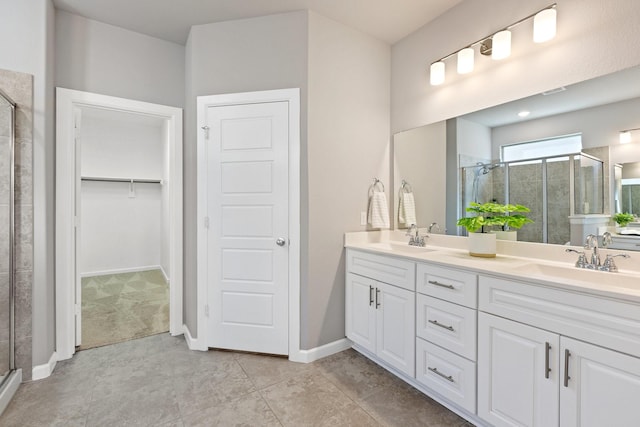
(446, 377)
(377, 297)
(442, 285)
(547, 350)
(435, 322)
(567, 355)
(370, 295)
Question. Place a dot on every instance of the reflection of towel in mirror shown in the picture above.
(378, 210)
(407, 209)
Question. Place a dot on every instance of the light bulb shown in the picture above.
(625, 137)
(465, 60)
(501, 45)
(437, 73)
(544, 25)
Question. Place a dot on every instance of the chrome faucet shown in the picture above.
(417, 239)
(592, 243)
(432, 226)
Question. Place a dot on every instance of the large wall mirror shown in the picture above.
(466, 155)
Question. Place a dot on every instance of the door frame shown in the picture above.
(292, 96)
(67, 102)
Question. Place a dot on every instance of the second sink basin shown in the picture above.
(570, 273)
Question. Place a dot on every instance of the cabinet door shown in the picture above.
(360, 311)
(602, 388)
(518, 375)
(396, 337)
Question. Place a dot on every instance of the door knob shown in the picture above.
(280, 241)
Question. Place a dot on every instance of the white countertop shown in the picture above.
(542, 264)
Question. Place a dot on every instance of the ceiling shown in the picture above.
(607, 89)
(386, 20)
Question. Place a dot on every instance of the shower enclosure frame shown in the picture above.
(485, 168)
(11, 381)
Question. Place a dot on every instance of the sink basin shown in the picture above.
(569, 274)
(400, 247)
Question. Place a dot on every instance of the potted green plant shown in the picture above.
(622, 219)
(487, 216)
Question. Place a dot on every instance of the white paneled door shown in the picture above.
(248, 223)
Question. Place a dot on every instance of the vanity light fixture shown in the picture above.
(465, 60)
(625, 135)
(437, 73)
(544, 25)
(501, 45)
(498, 45)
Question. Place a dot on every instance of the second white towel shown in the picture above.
(407, 209)
(378, 210)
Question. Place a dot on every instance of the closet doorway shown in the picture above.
(118, 220)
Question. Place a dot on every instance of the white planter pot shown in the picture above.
(482, 245)
(506, 235)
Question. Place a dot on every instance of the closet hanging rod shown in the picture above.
(129, 180)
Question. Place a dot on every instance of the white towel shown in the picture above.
(378, 210)
(407, 209)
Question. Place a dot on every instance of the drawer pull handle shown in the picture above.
(370, 295)
(567, 355)
(442, 285)
(547, 369)
(446, 377)
(377, 297)
(435, 322)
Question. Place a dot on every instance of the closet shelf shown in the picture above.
(129, 180)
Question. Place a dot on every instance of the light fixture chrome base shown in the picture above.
(486, 46)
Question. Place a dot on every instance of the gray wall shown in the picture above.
(344, 80)
(237, 56)
(348, 145)
(101, 58)
(594, 38)
(26, 32)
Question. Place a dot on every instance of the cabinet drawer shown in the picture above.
(610, 323)
(450, 375)
(382, 268)
(448, 325)
(451, 285)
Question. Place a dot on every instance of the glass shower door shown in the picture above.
(6, 237)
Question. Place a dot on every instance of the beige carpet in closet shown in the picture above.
(121, 307)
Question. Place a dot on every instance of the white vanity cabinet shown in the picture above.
(446, 333)
(602, 387)
(535, 368)
(518, 374)
(380, 316)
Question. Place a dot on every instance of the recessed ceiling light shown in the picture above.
(524, 113)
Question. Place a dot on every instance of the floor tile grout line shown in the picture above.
(352, 399)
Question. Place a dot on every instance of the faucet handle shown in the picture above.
(582, 259)
(591, 241)
(606, 239)
(610, 265)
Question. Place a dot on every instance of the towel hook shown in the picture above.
(374, 187)
(406, 187)
(376, 181)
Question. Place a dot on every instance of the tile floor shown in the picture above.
(157, 381)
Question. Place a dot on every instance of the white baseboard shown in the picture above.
(193, 343)
(308, 356)
(10, 388)
(40, 372)
(123, 270)
(164, 274)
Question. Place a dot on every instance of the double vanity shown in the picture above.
(523, 339)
